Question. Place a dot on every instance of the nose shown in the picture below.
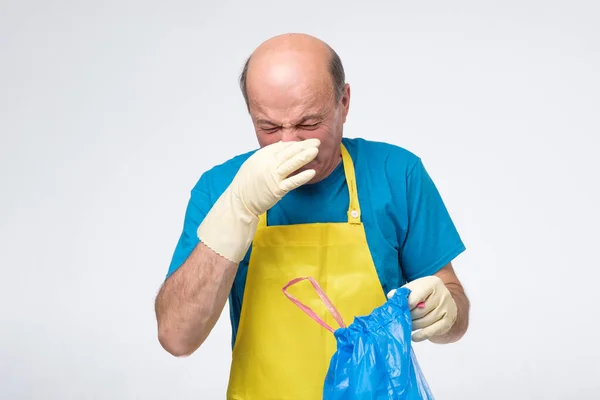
(289, 135)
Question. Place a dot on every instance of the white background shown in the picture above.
(111, 110)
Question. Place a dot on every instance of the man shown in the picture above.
(360, 217)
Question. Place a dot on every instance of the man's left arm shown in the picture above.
(430, 244)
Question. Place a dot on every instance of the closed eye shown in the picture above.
(309, 126)
(270, 129)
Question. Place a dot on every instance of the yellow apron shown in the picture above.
(280, 353)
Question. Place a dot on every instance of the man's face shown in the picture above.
(302, 111)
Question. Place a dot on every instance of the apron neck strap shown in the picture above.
(354, 207)
(262, 220)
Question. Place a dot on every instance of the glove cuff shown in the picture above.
(228, 229)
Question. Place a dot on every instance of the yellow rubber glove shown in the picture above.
(262, 180)
(439, 311)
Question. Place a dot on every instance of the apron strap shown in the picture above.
(354, 207)
(308, 310)
(262, 220)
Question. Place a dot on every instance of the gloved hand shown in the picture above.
(438, 313)
(262, 180)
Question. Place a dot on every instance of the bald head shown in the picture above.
(291, 60)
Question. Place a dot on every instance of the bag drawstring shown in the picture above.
(334, 312)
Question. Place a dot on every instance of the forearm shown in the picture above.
(192, 299)
(460, 326)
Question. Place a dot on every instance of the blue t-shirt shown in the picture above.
(409, 230)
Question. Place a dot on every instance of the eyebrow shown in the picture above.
(261, 121)
(309, 117)
(301, 121)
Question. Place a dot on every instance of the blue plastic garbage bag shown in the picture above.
(374, 358)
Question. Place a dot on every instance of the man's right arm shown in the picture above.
(191, 300)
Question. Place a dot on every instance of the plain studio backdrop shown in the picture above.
(111, 111)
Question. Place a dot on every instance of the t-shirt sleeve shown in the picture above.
(198, 206)
(432, 240)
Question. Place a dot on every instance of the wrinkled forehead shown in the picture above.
(283, 104)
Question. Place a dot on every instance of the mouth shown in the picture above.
(310, 165)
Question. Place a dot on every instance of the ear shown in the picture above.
(345, 102)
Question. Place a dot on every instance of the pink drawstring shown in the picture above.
(334, 312)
